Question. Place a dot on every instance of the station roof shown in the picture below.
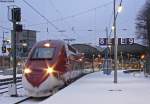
(132, 49)
(88, 50)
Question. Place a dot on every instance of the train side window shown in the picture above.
(64, 55)
(71, 49)
(64, 52)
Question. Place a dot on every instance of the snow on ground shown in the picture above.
(97, 88)
(9, 76)
(6, 99)
(3, 76)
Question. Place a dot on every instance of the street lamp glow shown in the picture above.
(120, 8)
(24, 44)
(113, 27)
(8, 40)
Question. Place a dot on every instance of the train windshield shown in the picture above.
(43, 53)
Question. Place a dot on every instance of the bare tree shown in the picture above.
(143, 24)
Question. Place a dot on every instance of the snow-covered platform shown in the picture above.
(97, 88)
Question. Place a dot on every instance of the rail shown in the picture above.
(4, 84)
(9, 81)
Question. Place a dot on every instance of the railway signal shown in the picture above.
(15, 18)
(3, 49)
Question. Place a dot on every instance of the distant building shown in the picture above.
(24, 41)
(4, 62)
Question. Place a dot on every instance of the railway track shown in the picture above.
(5, 89)
(9, 81)
(23, 100)
(4, 84)
(26, 99)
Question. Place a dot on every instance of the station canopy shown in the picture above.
(135, 48)
(88, 50)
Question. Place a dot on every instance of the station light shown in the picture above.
(120, 8)
(142, 66)
(113, 27)
(142, 56)
(24, 44)
(80, 59)
(8, 40)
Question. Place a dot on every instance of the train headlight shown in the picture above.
(47, 45)
(50, 70)
(27, 70)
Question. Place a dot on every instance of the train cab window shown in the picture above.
(43, 53)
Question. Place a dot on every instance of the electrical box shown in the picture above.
(12, 89)
(18, 27)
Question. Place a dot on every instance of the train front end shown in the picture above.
(39, 75)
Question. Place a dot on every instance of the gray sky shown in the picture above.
(82, 15)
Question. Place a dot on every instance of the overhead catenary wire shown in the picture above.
(84, 12)
(53, 25)
(59, 12)
(76, 14)
(5, 28)
(64, 18)
(53, 5)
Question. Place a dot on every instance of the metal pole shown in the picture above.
(121, 61)
(93, 62)
(107, 49)
(115, 46)
(14, 55)
(3, 53)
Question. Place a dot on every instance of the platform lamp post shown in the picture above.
(115, 38)
(93, 56)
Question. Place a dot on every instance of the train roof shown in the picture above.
(52, 42)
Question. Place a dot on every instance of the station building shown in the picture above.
(24, 41)
(129, 56)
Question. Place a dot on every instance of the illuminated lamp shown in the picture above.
(47, 45)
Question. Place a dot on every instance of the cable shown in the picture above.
(52, 4)
(77, 14)
(40, 14)
(57, 10)
(84, 12)
(5, 28)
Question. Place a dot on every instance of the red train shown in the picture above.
(50, 65)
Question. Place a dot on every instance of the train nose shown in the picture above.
(36, 77)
